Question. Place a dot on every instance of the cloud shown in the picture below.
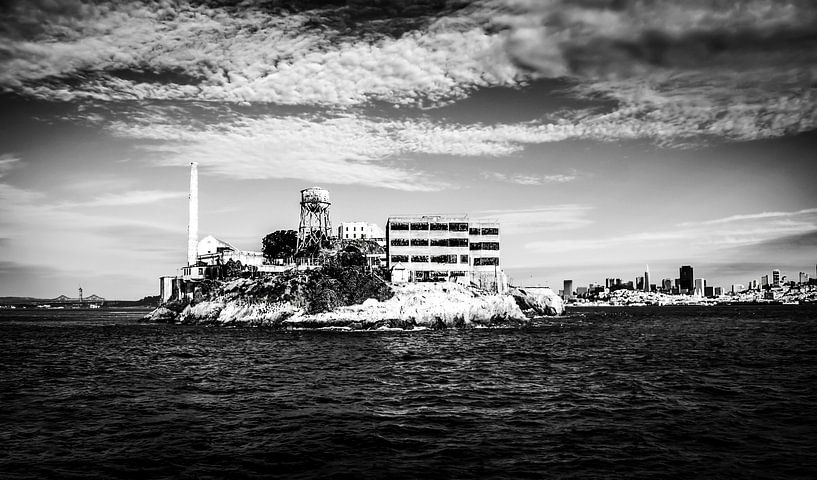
(537, 219)
(533, 180)
(246, 55)
(121, 199)
(713, 237)
(680, 73)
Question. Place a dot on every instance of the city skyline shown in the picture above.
(603, 136)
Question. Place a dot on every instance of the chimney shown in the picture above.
(193, 216)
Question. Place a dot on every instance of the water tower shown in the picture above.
(314, 226)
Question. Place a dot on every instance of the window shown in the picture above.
(490, 245)
(490, 231)
(439, 226)
(419, 226)
(458, 227)
(486, 261)
(419, 242)
(457, 242)
(419, 258)
(476, 246)
(457, 274)
(400, 242)
(464, 259)
(473, 231)
(398, 226)
(399, 258)
(439, 242)
(444, 259)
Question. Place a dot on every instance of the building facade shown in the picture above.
(445, 247)
(686, 284)
(361, 230)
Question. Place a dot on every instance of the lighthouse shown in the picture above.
(193, 216)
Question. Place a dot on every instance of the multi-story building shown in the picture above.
(776, 278)
(567, 292)
(639, 283)
(361, 230)
(666, 285)
(699, 286)
(686, 284)
(803, 278)
(445, 247)
(764, 281)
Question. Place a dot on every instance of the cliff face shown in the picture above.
(538, 300)
(316, 300)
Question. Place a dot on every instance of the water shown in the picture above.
(641, 392)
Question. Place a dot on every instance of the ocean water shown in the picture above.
(686, 392)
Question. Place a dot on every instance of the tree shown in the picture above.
(280, 244)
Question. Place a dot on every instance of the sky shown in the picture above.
(604, 135)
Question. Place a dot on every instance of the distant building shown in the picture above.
(568, 290)
(718, 291)
(212, 251)
(686, 285)
(737, 288)
(709, 291)
(804, 278)
(581, 292)
(647, 285)
(666, 285)
(776, 278)
(361, 230)
(445, 247)
(764, 281)
(699, 286)
(639, 283)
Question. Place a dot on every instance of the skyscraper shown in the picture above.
(700, 286)
(686, 279)
(775, 278)
(568, 290)
(647, 279)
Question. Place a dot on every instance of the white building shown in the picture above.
(213, 251)
(445, 247)
(361, 230)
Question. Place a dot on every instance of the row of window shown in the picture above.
(425, 242)
(485, 246)
(486, 261)
(451, 227)
(432, 258)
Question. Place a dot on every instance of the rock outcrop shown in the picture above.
(537, 301)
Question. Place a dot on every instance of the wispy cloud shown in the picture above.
(533, 180)
(544, 218)
(679, 72)
(123, 199)
(712, 237)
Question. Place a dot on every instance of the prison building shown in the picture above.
(444, 247)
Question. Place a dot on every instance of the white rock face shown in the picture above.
(427, 304)
(542, 300)
(413, 305)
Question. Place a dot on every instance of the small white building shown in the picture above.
(362, 230)
(213, 251)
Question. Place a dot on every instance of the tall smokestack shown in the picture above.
(193, 216)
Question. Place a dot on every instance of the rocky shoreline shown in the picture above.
(439, 305)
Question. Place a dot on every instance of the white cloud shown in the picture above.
(540, 219)
(532, 180)
(706, 236)
(123, 199)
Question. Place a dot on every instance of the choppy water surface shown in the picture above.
(640, 392)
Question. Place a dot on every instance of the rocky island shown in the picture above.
(349, 297)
